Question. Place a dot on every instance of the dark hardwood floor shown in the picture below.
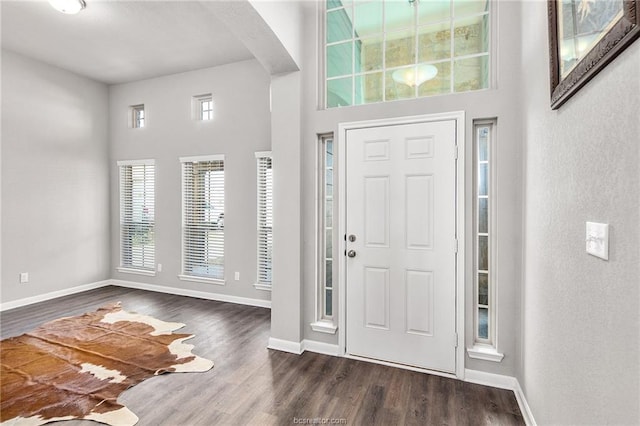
(250, 384)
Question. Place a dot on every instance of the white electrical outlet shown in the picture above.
(237, 276)
(159, 267)
(24, 277)
(598, 240)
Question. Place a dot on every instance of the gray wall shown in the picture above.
(241, 126)
(581, 314)
(286, 299)
(55, 185)
(502, 102)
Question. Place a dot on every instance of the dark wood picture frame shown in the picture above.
(612, 43)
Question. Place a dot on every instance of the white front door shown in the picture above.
(401, 246)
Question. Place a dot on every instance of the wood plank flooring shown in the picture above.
(250, 384)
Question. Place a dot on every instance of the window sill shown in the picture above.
(324, 326)
(262, 286)
(486, 353)
(202, 280)
(145, 272)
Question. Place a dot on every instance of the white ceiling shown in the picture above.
(121, 41)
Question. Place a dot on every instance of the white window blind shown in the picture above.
(137, 214)
(203, 217)
(265, 217)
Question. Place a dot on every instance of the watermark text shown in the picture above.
(319, 421)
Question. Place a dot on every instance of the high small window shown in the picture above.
(325, 309)
(384, 50)
(203, 219)
(203, 107)
(137, 116)
(485, 309)
(137, 216)
(265, 219)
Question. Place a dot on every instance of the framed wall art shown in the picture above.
(584, 36)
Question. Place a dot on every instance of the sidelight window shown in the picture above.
(325, 310)
(485, 310)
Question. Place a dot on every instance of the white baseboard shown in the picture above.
(502, 382)
(140, 286)
(489, 379)
(52, 295)
(524, 405)
(193, 293)
(320, 347)
(306, 345)
(285, 346)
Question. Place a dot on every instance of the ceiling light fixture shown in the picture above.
(413, 77)
(70, 7)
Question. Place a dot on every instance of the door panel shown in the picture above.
(376, 298)
(401, 192)
(419, 302)
(376, 211)
(419, 210)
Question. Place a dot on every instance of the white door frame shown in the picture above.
(459, 117)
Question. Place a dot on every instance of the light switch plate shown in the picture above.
(598, 240)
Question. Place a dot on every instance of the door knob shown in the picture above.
(351, 253)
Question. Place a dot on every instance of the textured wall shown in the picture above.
(581, 314)
(286, 308)
(240, 127)
(55, 178)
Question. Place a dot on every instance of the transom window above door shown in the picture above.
(384, 50)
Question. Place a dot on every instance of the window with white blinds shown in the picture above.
(265, 219)
(203, 218)
(137, 215)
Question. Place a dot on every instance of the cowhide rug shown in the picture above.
(76, 367)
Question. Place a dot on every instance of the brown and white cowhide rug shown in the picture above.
(76, 367)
